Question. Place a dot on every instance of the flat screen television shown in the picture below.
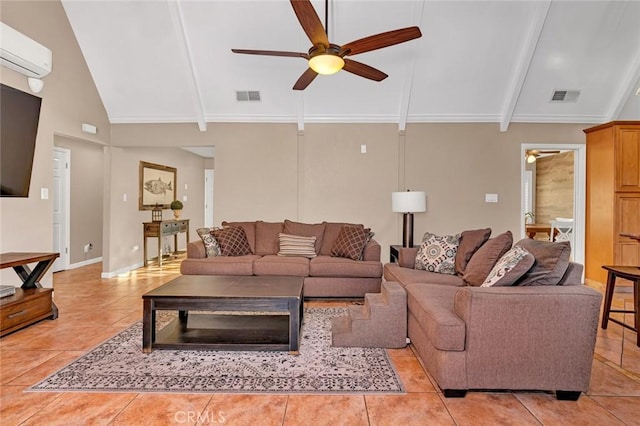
(19, 116)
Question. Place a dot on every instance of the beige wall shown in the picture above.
(69, 99)
(86, 198)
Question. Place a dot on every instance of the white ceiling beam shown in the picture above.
(626, 89)
(528, 49)
(418, 9)
(175, 10)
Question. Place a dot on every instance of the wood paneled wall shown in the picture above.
(554, 187)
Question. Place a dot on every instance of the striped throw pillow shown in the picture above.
(295, 245)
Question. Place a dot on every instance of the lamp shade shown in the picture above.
(408, 201)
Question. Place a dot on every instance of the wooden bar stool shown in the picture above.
(631, 273)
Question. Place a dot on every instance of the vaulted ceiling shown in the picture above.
(477, 61)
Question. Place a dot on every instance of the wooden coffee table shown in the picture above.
(242, 313)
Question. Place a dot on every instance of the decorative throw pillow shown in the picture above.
(483, 261)
(514, 264)
(438, 253)
(470, 242)
(232, 240)
(295, 245)
(552, 261)
(210, 243)
(350, 242)
(305, 230)
(370, 236)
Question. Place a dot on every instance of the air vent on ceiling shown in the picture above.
(247, 95)
(565, 96)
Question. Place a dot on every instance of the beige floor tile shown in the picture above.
(627, 409)
(413, 376)
(162, 409)
(585, 411)
(47, 368)
(245, 410)
(16, 406)
(319, 410)
(71, 409)
(485, 408)
(608, 381)
(14, 363)
(407, 410)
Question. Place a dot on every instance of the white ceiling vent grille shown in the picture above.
(247, 95)
(565, 96)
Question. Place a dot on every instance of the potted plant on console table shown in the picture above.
(176, 206)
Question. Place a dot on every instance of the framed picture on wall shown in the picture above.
(157, 186)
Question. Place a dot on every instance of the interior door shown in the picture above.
(208, 198)
(61, 198)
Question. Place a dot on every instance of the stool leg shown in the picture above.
(608, 297)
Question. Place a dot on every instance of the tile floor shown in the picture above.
(93, 309)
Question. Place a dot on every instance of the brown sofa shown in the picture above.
(534, 337)
(324, 275)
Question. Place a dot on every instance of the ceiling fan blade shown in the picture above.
(305, 79)
(271, 53)
(363, 70)
(381, 40)
(310, 22)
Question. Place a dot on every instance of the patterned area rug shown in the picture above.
(118, 365)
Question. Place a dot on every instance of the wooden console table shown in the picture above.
(31, 302)
(162, 229)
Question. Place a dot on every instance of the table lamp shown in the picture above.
(408, 202)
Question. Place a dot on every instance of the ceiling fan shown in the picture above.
(532, 154)
(328, 58)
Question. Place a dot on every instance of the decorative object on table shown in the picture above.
(176, 206)
(157, 186)
(118, 365)
(7, 290)
(408, 202)
(529, 218)
(156, 214)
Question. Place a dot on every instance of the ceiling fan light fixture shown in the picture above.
(326, 63)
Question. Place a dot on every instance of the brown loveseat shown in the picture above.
(325, 275)
(531, 337)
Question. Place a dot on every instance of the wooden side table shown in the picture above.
(631, 273)
(163, 229)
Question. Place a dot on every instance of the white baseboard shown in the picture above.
(85, 262)
(120, 271)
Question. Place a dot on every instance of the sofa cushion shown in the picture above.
(249, 230)
(295, 245)
(437, 253)
(219, 265)
(281, 265)
(306, 230)
(233, 241)
(350, 242)
(552, 261)
(331, 231)
(433, 306)
(484, 259)
(211, 246)
(267, 237)
(405, 276)
(514, 264)
(327, 266)
(470, 242)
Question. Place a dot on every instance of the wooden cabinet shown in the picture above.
(613, 197)
(24, 308)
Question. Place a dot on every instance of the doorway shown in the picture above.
(61, 207)
(208, 198)
(528, 184)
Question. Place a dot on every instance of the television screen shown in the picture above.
(19, 116)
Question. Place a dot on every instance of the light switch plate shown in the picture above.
(44, 193)
(490, 198)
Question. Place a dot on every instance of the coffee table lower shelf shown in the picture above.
(225, 332)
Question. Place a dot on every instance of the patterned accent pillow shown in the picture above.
(511, 266)
(350, 242)
(233, 241)
(295, 245)
(210, 244)
(438, 253)
(370, 235)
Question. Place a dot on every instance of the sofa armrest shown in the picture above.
(196, 250)
(407, 257)
(371, 251)
(542, 335)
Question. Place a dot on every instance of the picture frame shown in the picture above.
(157, 186)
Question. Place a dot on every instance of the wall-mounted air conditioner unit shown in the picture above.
(21, 54)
